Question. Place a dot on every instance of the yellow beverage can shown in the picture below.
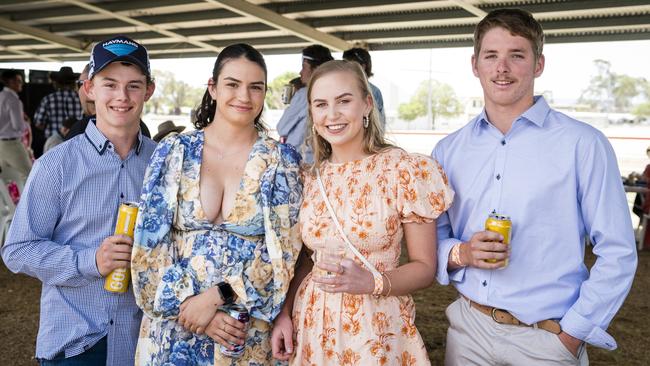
(118, 280)
(499, 224)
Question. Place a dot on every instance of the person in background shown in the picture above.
(362, 315)
(87, 105)
(62, 231)
(12, 124)
(362, 57)
(291, 126)
(557, 180)
(641, 204)
(167, 128)
(59, 137)
(290, 89)
(59, 105)
(28, 138)
(217, 226)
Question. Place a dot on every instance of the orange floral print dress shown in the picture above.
(372, 198)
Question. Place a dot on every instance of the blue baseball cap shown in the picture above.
(119, 48)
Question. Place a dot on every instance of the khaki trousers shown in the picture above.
(473, 338)
(14, 154)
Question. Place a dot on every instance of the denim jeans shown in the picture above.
(93, 356)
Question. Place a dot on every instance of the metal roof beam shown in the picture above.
(278, 21)
(470, 8)
(28, 54)
(42, 35)
(150, 27)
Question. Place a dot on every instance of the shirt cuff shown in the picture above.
(442, 275)
(580, 327)
(87, 264)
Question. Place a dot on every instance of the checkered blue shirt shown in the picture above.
(68, 207)
(56, 108)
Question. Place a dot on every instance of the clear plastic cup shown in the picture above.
(330, 251)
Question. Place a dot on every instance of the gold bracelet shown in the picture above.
(390, 285)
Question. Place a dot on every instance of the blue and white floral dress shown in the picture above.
(178, 252)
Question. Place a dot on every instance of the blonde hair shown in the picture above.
(373, 135)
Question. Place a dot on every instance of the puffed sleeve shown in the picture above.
(266, 281)
(160, 284)
(423, 192)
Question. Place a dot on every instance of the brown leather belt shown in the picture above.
(504, 317)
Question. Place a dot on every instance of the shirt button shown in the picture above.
(498, 176)
(121, 195)
(484, 283)
(503, 142)
(111, 322)
(122, 166)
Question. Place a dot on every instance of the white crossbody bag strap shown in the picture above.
(371, 268)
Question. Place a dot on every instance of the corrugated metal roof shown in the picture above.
(32, 30)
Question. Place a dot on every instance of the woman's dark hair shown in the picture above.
(205, 113)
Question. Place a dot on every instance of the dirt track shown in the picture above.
(631, 327)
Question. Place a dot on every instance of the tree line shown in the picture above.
(607, 92)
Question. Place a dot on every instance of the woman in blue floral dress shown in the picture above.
(218, 213)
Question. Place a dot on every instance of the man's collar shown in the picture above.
(536, 113)
(10, 91)
(100, 142)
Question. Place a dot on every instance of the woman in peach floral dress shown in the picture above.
(380, 194)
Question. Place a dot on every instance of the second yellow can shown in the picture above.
(499, 224)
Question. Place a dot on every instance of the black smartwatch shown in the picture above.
(226, 292)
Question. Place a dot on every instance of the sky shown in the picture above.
(568, 69)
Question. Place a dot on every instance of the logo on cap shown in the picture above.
(120, 47)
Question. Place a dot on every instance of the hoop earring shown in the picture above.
(366, 122)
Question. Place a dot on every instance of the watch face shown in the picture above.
(227, 292)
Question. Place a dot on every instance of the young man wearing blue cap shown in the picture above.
(63, 226)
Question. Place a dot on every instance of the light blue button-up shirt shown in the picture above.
(68, 207)
(293, 124)
(558, 180)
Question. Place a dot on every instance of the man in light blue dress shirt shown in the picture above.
(62, 231)
(558, 180)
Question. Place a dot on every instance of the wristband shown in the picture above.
(454, 256)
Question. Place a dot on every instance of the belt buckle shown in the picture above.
(493, 313)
